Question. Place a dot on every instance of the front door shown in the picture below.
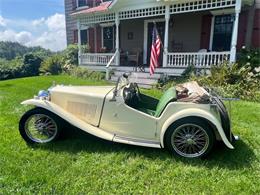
(222, 33)
(161, 30)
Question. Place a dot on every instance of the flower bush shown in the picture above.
(233, 81)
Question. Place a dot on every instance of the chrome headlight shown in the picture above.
(43, 95)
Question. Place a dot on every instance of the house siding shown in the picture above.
(71, 23)
(137, 28)
(186, 31)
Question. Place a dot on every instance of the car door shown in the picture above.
(122, 120)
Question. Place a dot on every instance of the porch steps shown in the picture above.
(144, 80)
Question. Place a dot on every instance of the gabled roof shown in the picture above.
(101, 8)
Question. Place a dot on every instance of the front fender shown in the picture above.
(196, 113)
(70, 118)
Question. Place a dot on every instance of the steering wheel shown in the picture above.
(130, 94)
(137, 91)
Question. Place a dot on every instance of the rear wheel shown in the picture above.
(190, 137)
(39, 126)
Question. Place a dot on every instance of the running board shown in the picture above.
(137, 142)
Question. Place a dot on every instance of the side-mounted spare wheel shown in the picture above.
(190, 137)
(40, 126)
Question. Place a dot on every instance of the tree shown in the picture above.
(31, 64)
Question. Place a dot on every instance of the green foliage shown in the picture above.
(189, 71)
(31, 65)
(11, 50)
(249, 57)
(84, 73)
(10, 69)
(85, 48)
(52, 65)
(70, 55)
(20, 67)
(233, 81)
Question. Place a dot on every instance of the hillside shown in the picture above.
(11, 50)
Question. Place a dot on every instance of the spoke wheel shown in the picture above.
(190, 140)
(190, 137)
(39, 126)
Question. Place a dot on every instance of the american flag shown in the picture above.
(155, 50)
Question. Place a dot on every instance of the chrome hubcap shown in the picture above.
(41, 128)
(190, 140)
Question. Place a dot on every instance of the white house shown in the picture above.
(193, 32)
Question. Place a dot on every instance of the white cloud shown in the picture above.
(56, 22)
(38, 22)
(22, 37)
(2, 21)
(45, 32)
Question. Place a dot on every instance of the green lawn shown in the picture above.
(84, 164)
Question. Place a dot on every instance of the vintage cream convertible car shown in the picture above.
(186, 126)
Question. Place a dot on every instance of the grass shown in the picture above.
(84, 164)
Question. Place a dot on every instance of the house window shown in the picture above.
(222, 36)
(84, 37)
(82, 3)
(109, 38)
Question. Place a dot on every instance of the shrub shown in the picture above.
(31, 65)
(20, 67)
(86, 74)
(52, 65)
(233, 81)
(249, 57)
(11, 68)
(70, 55)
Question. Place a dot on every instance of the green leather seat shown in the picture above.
(168, 96)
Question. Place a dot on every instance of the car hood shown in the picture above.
(84, 102)
(98, 91)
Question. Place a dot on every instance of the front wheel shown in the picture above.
(39, 126)
(190, 137)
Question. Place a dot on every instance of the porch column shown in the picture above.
(166, 36)
(117, 40)
(235, 32)
(79, 43)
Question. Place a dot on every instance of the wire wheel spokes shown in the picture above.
(41, 128)
(190, 140)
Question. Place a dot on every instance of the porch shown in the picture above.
(121, 37)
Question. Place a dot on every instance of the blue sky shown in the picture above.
(33, 22)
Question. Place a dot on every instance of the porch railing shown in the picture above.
(97, 59)
(199, 60)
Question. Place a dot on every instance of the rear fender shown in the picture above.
(196, 113)
(70, 118)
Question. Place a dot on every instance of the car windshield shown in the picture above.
(123, 81)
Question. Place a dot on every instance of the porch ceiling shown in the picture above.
(149, 8)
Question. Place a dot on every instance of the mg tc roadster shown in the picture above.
(187, 119)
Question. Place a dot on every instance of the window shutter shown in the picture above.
(91, 39)
(90, 3)
(75, 36)
(99, 41)
(205, 31)
(256, 30)
(242, 29)
(74, 4)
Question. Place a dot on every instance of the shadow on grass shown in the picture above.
(77, 141)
